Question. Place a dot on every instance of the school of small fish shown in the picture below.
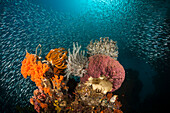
(140, 28)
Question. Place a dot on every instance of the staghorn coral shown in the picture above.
(76, 62)
(110, 69)
(104, 47)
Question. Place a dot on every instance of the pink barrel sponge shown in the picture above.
(105, 65)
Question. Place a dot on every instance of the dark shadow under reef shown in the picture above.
(128, 93)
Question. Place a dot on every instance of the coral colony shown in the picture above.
(100, 74)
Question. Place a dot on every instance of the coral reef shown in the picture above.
(76, 62)
(98, 76)
(104, 47)
(88, 100)
(50, 85)
(100, 84)
(107, 67)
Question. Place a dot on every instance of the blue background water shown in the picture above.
(140, 27)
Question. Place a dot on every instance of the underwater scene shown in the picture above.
(84, 56)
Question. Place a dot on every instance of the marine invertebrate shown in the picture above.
(57, 58)
(39, 100)
(100, 84)
(27, 64)
(104, 47)
(87, 95)
(100, 75)
(89, 100)
(33, 68)
(106, 68)
(77, 62)
(49, 84)
(57, 82)
(56, 104)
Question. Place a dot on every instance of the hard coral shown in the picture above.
(76, 62)
(102, 65)
(104, 47)
(100, 84)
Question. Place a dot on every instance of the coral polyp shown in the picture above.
(100, 74)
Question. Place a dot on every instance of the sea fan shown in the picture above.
(104, 47)
(77, 62)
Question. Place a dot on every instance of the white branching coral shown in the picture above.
(77, 62)
(104, 46)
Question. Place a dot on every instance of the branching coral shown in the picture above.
(76, 62)
(104, 47)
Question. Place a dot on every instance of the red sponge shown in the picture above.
(105, 65)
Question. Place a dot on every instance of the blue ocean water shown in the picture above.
(140, 27)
